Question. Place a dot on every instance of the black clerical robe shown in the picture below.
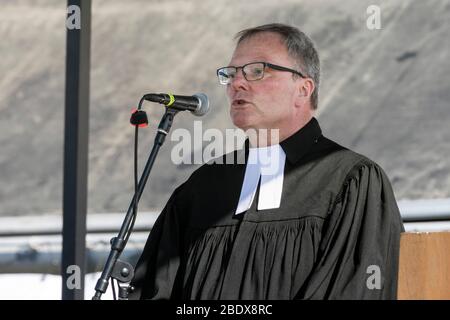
(335, 235)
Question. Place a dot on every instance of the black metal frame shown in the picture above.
(266, 64)
(76, 131)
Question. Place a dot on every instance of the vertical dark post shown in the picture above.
(76, 130)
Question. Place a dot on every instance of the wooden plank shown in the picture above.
(424, 269)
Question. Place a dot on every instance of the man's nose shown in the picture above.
(239, 80)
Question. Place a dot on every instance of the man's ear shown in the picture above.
(306, 88)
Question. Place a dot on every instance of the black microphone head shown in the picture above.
(203, 104)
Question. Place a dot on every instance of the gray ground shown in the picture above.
(385, 93)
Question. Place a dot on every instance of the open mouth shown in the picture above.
(239, 102)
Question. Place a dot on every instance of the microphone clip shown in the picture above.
(139, 118)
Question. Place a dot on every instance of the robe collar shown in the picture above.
(298, 144)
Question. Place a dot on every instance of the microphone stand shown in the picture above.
(114, 268)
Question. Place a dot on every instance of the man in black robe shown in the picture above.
(324, 226)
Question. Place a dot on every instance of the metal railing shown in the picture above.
(32, 244)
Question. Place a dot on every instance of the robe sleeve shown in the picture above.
(157, 268)
(359, 251)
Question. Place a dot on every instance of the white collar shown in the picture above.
(267, 163)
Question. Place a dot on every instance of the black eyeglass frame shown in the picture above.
(266, 64)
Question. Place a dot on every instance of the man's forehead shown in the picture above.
(264, 36)
(259, 47)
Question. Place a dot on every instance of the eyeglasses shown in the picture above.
(252, 71)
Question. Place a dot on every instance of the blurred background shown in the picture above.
(384, 93)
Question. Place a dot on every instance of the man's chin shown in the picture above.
(241, 123)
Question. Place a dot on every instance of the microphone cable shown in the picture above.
(138, 119)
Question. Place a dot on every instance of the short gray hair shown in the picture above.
(300, 47)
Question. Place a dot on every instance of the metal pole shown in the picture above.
(76, 130)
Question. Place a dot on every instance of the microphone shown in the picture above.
(198, 104)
